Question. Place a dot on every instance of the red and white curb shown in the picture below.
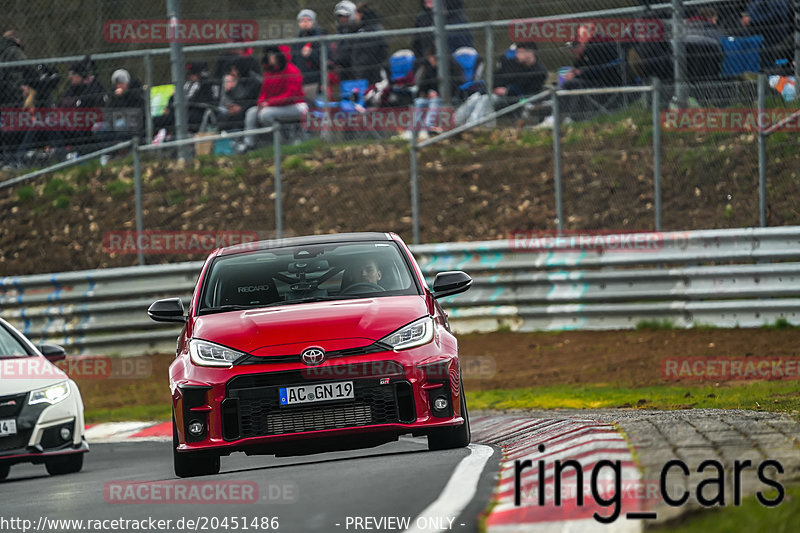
(584, 441)
(128, 432)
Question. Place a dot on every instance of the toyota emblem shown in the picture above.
(313, 356)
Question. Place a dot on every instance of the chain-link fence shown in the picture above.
(340, 169)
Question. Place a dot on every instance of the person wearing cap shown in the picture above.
(84, 89)
(126, 103)
(345, 12)
(306, 56)
(281, 98)
(200, 93)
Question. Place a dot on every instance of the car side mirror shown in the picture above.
(53, 352)
(450, 283)
(167, 310)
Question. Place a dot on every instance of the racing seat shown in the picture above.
(246, 287)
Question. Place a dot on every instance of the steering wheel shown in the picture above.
(372, 287)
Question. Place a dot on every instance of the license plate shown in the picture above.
(341, 390)
(8, 427)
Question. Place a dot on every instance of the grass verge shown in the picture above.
(750, 516)
(781, 396)
(158, 412)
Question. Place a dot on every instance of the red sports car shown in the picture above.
(313, 344)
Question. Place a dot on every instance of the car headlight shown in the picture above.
(206, 353)
(52, 394)
(417, 333)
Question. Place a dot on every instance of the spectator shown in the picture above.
(345, 12)
(704, 53)
(239, 94)
(771, 19)
(11, 81)
(598, 63)
(128, 95)
(428, 87)
(281, 98)
(364, 58)
(244, 55)
(84, 92)
(307, 56)
(522, 75)
(201, 95)
(454, 14)
(36, 93)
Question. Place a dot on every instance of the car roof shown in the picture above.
(305, 240)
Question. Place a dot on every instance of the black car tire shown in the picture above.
(4, 469)
(58, 466)
(191, 464)
(457, 437)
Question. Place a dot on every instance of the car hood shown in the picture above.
(288, 329)
(25, 374)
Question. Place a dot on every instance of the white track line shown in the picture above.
(460, 489)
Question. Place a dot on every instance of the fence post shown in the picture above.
(557, 159)
(442, 52)
(762, 152)
(679, 51)
(489, 70)
(323, 60)
(414, 186)
(276, 145)
(656, 84)
(176, 60)
(137, 184)
(148, 115)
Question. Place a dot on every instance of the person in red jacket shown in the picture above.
(281, 98)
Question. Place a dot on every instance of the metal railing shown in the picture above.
(725, 278)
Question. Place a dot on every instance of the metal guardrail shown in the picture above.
(726, 278)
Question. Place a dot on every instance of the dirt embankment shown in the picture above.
(478, 186)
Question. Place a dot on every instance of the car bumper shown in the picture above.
(394, 394)
(39, 430)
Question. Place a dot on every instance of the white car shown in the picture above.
(41, 410)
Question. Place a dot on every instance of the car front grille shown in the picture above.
(10, 406)
(13, 442)
(253, 411)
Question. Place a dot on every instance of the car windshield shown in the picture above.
(311, 273)
(10, 346)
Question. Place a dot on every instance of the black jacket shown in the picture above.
(11, 79)
(520, 79)
(309, 66)
(427, 78)
(455, 39)
(600, 64)
(84, 95)
(364, 58)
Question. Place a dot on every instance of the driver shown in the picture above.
(364, 271)
(368, 271)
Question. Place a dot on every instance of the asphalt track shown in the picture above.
(324, 492)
